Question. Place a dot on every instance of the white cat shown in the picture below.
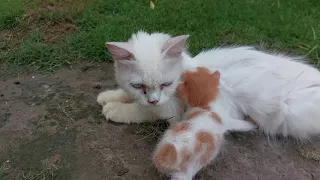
(148, 69)
(223, 86)
(280, 93)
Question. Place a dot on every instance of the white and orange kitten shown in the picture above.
(188, 146)
(147, 69)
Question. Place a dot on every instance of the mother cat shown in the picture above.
(280, 93)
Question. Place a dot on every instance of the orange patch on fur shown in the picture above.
(195, 113)
(216, 117)
(180, 127)
(166, 157)
(199, 88)
(205, 139)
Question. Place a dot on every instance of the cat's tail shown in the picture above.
(302, 115)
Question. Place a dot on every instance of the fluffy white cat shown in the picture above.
(280, 93)
(147, 69)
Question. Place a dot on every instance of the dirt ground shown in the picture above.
(52, 127)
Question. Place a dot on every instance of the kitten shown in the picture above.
(191, 144)
(280, 93)
(148, 69)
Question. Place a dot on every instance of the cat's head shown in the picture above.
(148, 66)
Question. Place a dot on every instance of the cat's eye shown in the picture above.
(137, 85)
(166, 84)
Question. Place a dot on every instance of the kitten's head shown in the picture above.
(199, 87)
(148, 66)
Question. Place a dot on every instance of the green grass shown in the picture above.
(10, 12)
(3, 171)
(42, 175)
(1, 174)
(290, 26)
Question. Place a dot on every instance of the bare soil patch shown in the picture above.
(52, 127)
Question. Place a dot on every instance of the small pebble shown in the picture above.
(16, 82)
(97, 86)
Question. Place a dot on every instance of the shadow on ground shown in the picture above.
(52, 128)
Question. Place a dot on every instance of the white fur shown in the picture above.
(152, 65)
(281, 93)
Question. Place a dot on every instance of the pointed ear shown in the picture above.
(216, 75)
(120, 50)
(180, 90)
(173, 47)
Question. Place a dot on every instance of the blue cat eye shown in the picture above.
(137, 86)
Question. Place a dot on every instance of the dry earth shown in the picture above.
(52, 128)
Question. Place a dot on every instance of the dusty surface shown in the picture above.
(51, 126)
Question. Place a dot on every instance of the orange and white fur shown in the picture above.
(194, 142)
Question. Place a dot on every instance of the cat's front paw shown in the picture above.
(112, 111)
(125, 112)
(112, 96)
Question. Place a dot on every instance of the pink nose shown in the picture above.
(153, 102)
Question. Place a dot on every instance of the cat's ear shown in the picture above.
(216, 75)
(180, 90)
(173, 47)
(120, 50)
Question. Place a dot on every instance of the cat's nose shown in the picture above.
(153, 102)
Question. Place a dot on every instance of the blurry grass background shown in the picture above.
(46, 34)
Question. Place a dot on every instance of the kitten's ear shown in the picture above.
(173, 47)
(180, 90)
(120, 50)
(216, 75)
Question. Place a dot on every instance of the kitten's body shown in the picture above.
(280, 93)
(194, 142)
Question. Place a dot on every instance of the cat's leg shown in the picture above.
(113, 95)
(127, 112)
(241, 125)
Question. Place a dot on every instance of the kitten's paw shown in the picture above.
(112, 96)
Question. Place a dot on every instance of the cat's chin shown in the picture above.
(151, 105)
(145, 103)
